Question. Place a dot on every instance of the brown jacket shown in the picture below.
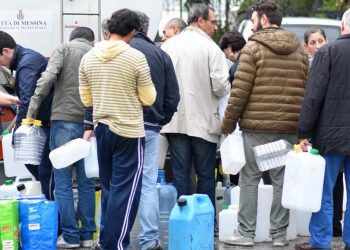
(269, 84)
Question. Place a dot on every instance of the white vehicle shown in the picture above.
(43, 24)
(299, 25)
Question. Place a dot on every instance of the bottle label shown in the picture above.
(33, 227)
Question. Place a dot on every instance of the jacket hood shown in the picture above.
(107, 50)
(280, 41)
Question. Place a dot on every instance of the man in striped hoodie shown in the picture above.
(115, 83)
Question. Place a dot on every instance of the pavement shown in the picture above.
(337, 244)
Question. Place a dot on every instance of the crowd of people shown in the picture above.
(126, 91)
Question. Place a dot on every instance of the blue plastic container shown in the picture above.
(191, 223)
(167, 199)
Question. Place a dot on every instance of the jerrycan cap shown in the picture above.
(8, 182)
(25, 122)
(20, 187)
(6, 132)
(181, 202)
(224, 207)
(314, 151)
(37, 123)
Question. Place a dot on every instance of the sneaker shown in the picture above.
(280, 241)
(96, 245)
(239, 240)
(157, 246)
(61, 243)
(86, 243)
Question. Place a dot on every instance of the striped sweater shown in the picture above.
(115, 80)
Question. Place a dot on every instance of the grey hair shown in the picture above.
(104, 25)
(178, 22)
(346, 19)
(144, 22)
(198, 10)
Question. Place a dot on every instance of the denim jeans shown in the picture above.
(321, 223)
(185, 150)
(120, 161)
(62, 132)
(149, 203)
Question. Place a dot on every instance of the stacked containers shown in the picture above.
(29, 141)
(191, 223)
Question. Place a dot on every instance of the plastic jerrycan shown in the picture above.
(219, 198)
(228, 222)
(8, 190)
(167, 199)
(191, 224)
(39, 139)
(23, 142)
(303, 180)
(91, 160)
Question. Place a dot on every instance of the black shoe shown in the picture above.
(158, 246)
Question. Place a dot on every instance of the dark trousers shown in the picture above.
(43, 172)
(338, 193)
(187, 150)
(120, 162)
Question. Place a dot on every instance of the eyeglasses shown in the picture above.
(213, 22)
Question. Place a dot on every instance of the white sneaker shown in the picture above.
(61, 243)
(239, 240)
(86, 243)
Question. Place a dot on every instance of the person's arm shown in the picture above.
(315, 93)
(145, 87)
(47, 79)
(86, 98)
(6, 99)
(240, 92)
(218, 74)
(171, 92)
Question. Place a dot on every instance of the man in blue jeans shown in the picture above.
(325, 118)
(160, 113)
(67, 118)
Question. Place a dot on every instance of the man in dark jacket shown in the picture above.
(155, 116)
(29, 65)
(325, 118)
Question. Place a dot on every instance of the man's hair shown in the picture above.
(313, 30)
(82, 32)
(198, 10)
(346, 19)
(232, 39)
(270, 9)
(104, 25)
(178, 22)
(122, 22)
(6, 41)
(144, 22)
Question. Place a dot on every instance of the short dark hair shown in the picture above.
(313, 30)
(198, 10)
(6, 41)
(232, 39)
(270, 9)
(123, 21)
(82, 32)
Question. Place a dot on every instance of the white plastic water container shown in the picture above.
(272, 155)
(163, 150)
(303, 181)
(228, 222)
(29, 188)
(91, 160)
(219, 199)
(8, 190)
(13, 168)
(69, 153)
(303, 221)
(232, 153)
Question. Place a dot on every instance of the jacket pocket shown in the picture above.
(215, 125)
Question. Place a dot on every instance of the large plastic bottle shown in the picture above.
(39, 140)
(272, 155)
(219, 198)
(303, 180)
(167, 199)
(191, 223)
(228, 222)
(8, 190)
(91, 161)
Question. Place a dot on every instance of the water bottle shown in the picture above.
(23, 142)
(272, 155)
(8, 190)
(39, 140)
(167, 199)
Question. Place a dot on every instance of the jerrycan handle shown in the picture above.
(201, 199)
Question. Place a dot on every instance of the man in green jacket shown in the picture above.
(67, 117)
